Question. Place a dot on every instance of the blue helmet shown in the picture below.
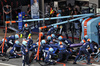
(59, 15)
(26, 25)
(81, 20)
(43, 42)
(38, 43)
(89, 40)
(3, 40)
(83, 41)
(61, 43)
(51, 49)
(29, 37)
(60, 37)
(17, 42)
(24, 43)
(17, 36)
(53, 35)
(55, 26)
(24, 39)
(48, 37)
(86, 37)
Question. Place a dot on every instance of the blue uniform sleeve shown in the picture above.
(14, 47)
(68, 41)
(22, 30)
(91, 46)
(52, 53)
(33, 47)
(30, 30)
(50, 31)
(0, 42)
(22, 50)
(12, 37)
(30, 42)
(7, 39)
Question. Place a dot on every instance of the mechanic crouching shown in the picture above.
(64, 40)
(11, 39)
(5, 47)
(15, 50)
(62, 51)
(48, 57)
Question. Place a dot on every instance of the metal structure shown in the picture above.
(62, 17)
(60, 23)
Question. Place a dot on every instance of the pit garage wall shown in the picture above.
(95, 2)
(72, 2)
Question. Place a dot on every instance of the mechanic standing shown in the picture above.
(27, 31)
(25, 53)
(62, 51)
(85, 50)
(52, 30)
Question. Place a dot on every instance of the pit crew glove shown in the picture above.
(61, 26)
(21, 35)
(29, 35)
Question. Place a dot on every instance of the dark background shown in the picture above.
(14, 4)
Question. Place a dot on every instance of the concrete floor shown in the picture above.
(18, 61)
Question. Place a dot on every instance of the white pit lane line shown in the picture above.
(95, 64)
(7, 64)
